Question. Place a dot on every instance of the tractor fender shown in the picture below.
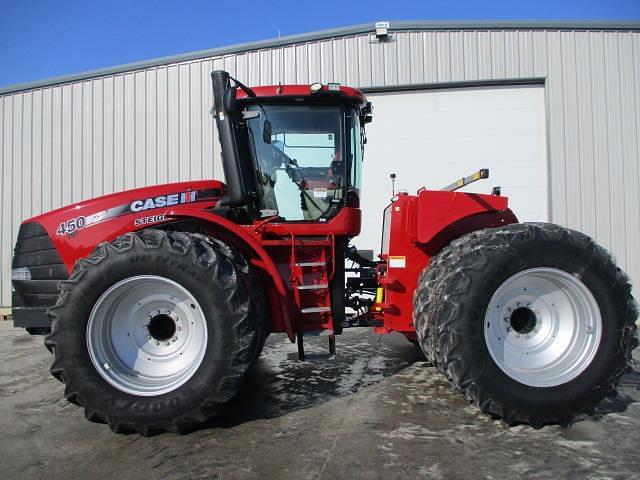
(468, 224)
(439, 216)
(252, 246)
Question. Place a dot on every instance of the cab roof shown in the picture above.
(349, 94)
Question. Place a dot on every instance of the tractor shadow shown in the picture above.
(279, 383)
(628, 392)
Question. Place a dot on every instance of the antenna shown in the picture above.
(281, 72)
(393, 184)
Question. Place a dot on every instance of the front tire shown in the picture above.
(154, 331)
(534, 323)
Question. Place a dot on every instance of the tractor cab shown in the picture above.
(291, 152)
(292, 158)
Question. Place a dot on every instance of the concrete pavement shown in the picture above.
(376, 410)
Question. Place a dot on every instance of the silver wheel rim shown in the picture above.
(543, 327)
(146, 335)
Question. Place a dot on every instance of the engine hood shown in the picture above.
(83, 225)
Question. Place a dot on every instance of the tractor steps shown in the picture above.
(312, 287)
(315, 310)
(312, 263)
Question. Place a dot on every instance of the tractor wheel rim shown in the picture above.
(543, 327)
(146, 335)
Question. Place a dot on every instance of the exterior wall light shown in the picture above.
(382, 30)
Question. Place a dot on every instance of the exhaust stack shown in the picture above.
(236, 163)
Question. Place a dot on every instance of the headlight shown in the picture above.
(22, 273)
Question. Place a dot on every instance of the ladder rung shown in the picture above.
(311, 287)
(315, 309)
(310, 264)
(298, 243)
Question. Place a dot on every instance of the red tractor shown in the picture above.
(156, 301)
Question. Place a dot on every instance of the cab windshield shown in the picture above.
(299, 155)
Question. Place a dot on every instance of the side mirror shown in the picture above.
(367, 113)
(266, 132)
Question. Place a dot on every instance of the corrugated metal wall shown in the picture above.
(73, 141)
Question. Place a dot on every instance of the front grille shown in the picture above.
(35, 251)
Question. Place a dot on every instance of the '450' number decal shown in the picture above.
(71, 226)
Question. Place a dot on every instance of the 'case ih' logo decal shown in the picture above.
(163, 201)
(73, 226)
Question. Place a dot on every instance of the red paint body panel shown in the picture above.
(105, 218)
(438, 209)
(297, 261)
(346, 223)
(419, 227)
(298, 91)
(81, 242)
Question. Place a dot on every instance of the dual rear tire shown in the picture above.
(534, 323)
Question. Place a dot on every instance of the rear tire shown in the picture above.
(557, 351)
(203, 301)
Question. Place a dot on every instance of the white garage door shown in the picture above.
(433, 138)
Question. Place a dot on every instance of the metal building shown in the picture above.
(552, 109)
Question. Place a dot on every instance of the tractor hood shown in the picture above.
(83, 225)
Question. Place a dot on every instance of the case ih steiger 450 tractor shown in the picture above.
(156, 301)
